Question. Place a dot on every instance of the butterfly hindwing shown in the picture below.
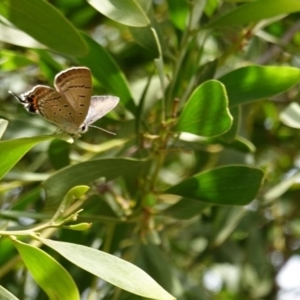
(100, 106)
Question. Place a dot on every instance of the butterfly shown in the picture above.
(70, 105)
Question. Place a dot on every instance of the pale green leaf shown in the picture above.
(111, 269)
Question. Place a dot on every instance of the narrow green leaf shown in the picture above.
(6, 295)
(239, 144)
(3, 126)
(84, 173)
(279, 189)
(206, 113)
(178, 11)
(144, 37)
(12, 61)
(44, 23)
(111, 268)
(48, 273)
(254, 83)
(128, 12)
(156, 263)
(17, 37)
(230, 185)
(230, 222)
(151, 37)
(12, 151)
(290, 116)
(256, 11)
(107, 72)
(185, 209)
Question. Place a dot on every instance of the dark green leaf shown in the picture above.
(84, 173)
(185, 209)
(151, 259)
(230, 185)
(44, 23)
(59, 152)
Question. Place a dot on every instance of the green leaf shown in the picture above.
(227, 222)
(6, 295)
(239, 144)
(44, 23)
(144, 37)
(179, 12)
(151, 37)
(230, 185)
(17, 37)
(107, 72)
(290, 116)
(72, 195)
(185, 209)
(83, 173)
(157, 264)
(58, 153)
(230, 135)
(206, 113)
(254, 83)
(48, 273)
(111, 269)
(279, 189)
(12, 151)
(128, 12)
(3, 126)
(11, 60)
(256, 11)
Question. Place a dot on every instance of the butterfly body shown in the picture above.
(70, 105)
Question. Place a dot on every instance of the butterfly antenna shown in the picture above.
(102, 129)
(17, 97)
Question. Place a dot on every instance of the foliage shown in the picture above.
(201, 177)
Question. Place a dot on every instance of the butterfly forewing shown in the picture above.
(50, 104)
(75, 85)
(100, 106)
(70, 106)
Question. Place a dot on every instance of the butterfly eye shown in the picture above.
(83, 128)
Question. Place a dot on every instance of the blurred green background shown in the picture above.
(206, 87)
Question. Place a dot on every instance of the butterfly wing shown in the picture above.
(75, 84)
(100, 106)
(50, 104)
